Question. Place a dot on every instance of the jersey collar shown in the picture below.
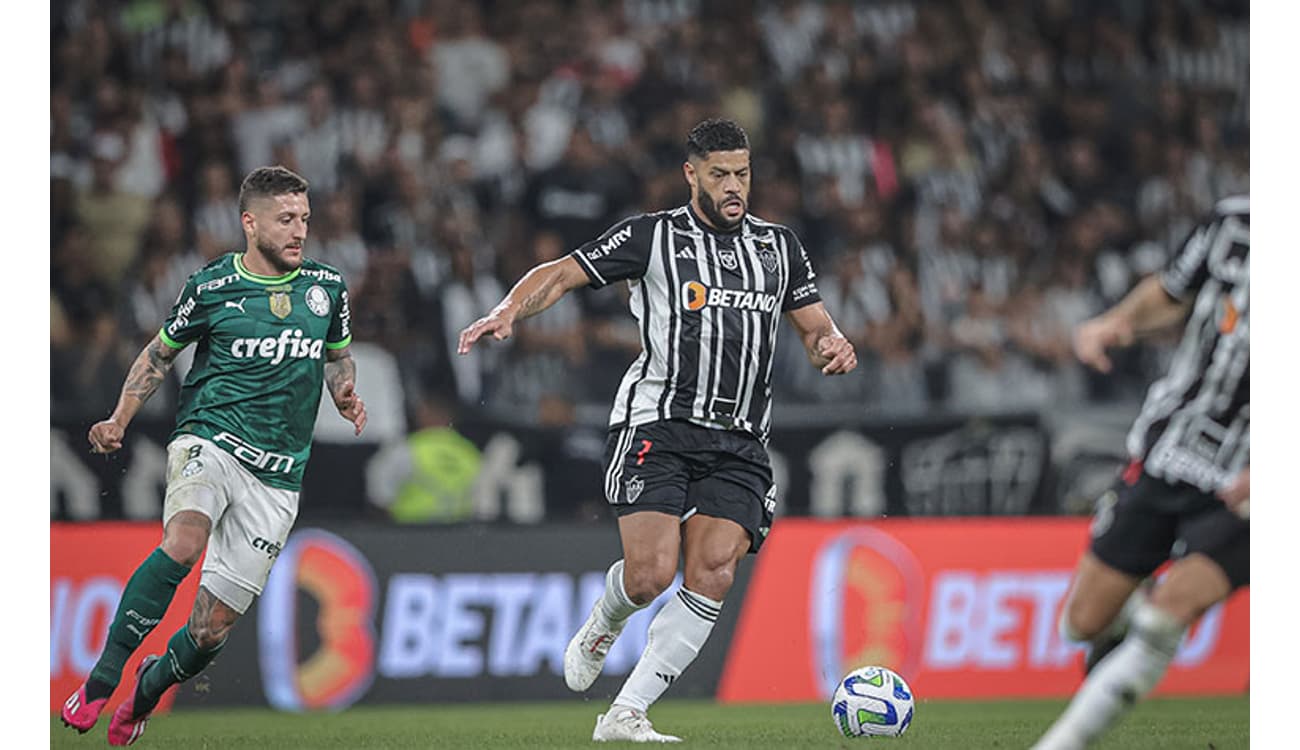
(260, 279)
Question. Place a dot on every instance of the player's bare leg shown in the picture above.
(651, 543)
(144, 602)
(713, 548)
(190, 650)
(1100, 606)
(1097, 595)
(1192, 585)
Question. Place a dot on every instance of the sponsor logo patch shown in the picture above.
(611, 244)
(696, 295)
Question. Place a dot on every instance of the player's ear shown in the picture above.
(248, 221)
(688, 171)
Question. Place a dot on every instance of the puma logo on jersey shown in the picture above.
(290, 343)
(237, 305)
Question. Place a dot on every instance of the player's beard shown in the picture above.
(715, 217)
(274, 255)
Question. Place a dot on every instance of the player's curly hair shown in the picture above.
(267, 182)
(716, 134)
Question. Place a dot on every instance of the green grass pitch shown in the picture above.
(1184, 723)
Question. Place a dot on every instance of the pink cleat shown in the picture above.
(125, 727)
(79, 713)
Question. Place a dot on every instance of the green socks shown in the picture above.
(183, 660)
(143, 604)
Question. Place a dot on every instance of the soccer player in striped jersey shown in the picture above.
(1188, 480)
(269, 326)
(687, 469)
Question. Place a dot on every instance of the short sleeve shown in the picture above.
(622, 252)
(340, 333)
(802, 290)
(187, 321)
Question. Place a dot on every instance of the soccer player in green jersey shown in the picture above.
(269, 326)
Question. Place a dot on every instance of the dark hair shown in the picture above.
(716, 135)
(267, 182)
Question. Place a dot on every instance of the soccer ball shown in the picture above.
(872, 702)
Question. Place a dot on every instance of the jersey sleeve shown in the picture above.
(622, 252)
(340, 332)
(1188, 270)
(188, 320)
(802, 290)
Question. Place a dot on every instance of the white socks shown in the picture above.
(614, 603)
(1122, 678)
(676, 635)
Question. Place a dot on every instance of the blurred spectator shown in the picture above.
(549, 355)
(428, 475)
(465, 297)
(582, 195)
(114, 218)
(470, 65)
(216, 215)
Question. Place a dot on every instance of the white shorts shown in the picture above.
(250, 520)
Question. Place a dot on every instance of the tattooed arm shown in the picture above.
(147, 373)
(540, 288)
(341, 379)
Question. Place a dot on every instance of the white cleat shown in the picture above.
(623, 724)
(585, 655)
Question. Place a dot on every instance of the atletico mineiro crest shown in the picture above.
(281, 305)
(767, 255)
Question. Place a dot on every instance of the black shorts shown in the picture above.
(682, 468)
(1143, 521)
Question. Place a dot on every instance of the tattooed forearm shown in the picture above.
(539, 300)
(340, 371)
(148, 371)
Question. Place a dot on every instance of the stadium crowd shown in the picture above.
(971, 178)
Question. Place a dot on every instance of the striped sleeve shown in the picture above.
(622, 252)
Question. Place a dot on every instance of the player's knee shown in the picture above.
(185, 546)
(644, 580)
(1190, 589)
(713, 581)
(1082, 621)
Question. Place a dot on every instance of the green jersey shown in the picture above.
(255, 385)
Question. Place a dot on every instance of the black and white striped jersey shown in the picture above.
(708, 305)
(1195, 423)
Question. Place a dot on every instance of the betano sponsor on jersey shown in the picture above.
(275, 348)
(696, 295)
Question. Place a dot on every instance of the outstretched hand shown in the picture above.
(351, 406)
(106, 436)
(494, 323)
